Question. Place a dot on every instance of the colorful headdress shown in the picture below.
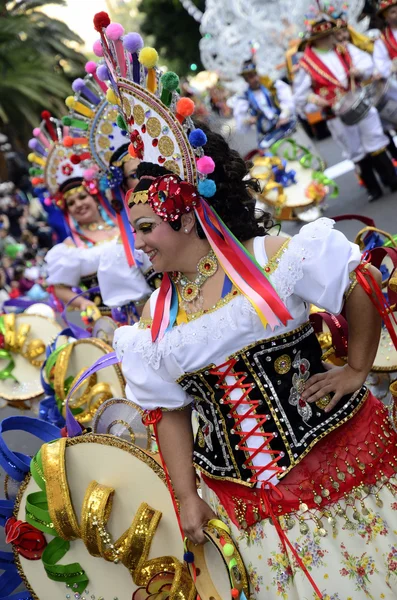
(162, 132)
(61, 163)
(93, 113)
(384, 5)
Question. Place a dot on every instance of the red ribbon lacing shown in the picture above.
(222, 372)
(153, 417)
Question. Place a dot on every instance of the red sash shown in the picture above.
(390, 42)
(325, 84)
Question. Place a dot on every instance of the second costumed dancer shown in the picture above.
(299, 461)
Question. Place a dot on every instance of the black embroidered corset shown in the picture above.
(256, 394)
(91, 281)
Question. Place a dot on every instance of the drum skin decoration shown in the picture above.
(292, 181)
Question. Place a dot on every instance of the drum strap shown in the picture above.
(390, 42)
(321, 75)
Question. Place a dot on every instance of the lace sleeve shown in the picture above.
(316, 266)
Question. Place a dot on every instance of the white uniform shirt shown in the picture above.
(303, 85)
(241, 108)
(383, 62)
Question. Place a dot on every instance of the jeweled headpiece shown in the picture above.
(162, 132)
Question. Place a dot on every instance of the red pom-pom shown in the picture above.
(45, 114)
(101, 20)
(222, 541)
(185, 107)
(235, 593)
(75, 159)
(68, 141)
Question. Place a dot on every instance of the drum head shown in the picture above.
(28, 384)
(386, 356)
(79, 356)
(136, 479)
(104, 329)
(295, 194)
(123, 418)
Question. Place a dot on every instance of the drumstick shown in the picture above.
(352, 83)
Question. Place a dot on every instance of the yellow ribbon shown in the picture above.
(131, 549)
(15, 340)
(268, 162)
(95, 394)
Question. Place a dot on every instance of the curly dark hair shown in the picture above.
(234, 200)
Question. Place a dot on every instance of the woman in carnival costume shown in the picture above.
(292, 456)
(91, 255)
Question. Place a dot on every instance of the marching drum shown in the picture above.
(382, 93)
(25, 338)
(116, 532)
(353, 106)
(292, 190)
(101, 386)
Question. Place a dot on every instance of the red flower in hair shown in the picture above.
(170, 197)
(29, 541)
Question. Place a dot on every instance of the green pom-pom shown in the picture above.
(228, 550)
(67, 121)
(121, 123)
(170, 81)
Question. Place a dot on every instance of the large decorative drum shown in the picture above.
(110, 528)
(23, 341)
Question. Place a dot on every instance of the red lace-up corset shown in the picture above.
(251, 405)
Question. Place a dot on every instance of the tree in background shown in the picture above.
(175, 34)
(37, 64)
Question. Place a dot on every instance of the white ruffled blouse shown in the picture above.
(314, 268)
(119, 283)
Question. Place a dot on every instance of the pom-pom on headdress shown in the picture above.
(162, 132)
(158, 119)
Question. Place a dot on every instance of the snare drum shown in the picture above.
(385, 99)
(353, 107)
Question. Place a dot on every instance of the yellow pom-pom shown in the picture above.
(70, 102)
(148, 57)
(111, 97)
(31, 157)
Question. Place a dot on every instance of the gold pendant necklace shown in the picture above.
(98, 227)
(206, 268)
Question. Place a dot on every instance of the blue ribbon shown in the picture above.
(16, 464)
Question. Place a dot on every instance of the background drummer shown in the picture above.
(385, 49)
(329, 71)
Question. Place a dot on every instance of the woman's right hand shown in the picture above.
(195, 514)
(84, 303)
